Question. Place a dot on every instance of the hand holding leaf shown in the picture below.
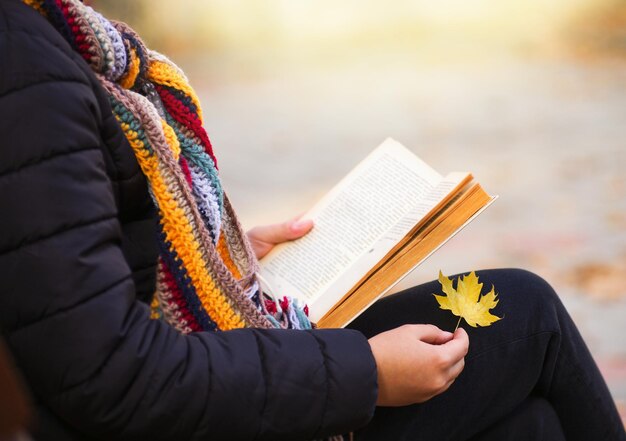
(466, 302)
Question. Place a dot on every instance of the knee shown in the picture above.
(517, 278)
(522, 287)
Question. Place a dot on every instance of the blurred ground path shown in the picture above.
(548, 136)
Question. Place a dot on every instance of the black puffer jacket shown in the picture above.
(77, 252)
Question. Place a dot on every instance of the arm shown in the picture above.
(414, 363)
(87, 347)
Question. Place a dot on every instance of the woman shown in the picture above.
(110, 194)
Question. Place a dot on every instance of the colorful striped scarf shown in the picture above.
(206, 276)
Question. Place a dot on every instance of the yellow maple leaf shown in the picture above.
(466, 302)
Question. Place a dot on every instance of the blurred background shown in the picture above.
(529, 95)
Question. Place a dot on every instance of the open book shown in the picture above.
(381, 221)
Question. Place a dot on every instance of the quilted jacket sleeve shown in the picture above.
(86, 346)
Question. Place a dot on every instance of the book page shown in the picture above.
(459, 214)
(394, 237)
(434, 197)
(360, 210)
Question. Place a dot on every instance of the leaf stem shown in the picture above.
(458, 323)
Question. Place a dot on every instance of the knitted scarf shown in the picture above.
(206, 276)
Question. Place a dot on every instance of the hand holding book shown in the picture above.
(383, 219)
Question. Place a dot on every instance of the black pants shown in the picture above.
(529, 376)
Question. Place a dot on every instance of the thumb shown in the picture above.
(459, 345)
(298, 227)
(278, 233)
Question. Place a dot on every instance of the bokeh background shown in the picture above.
(529, 95)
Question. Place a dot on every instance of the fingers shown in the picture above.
(416, 362)
(453, 374)
(432, 334)
(452, 358)
(456, 369)
(458, 346)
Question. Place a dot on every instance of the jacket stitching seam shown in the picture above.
(82, 302)
(262, 357)
(34, 162)
(56, 232)
(202, 425)
(325, 410)
(63, 47)
(44, 82)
